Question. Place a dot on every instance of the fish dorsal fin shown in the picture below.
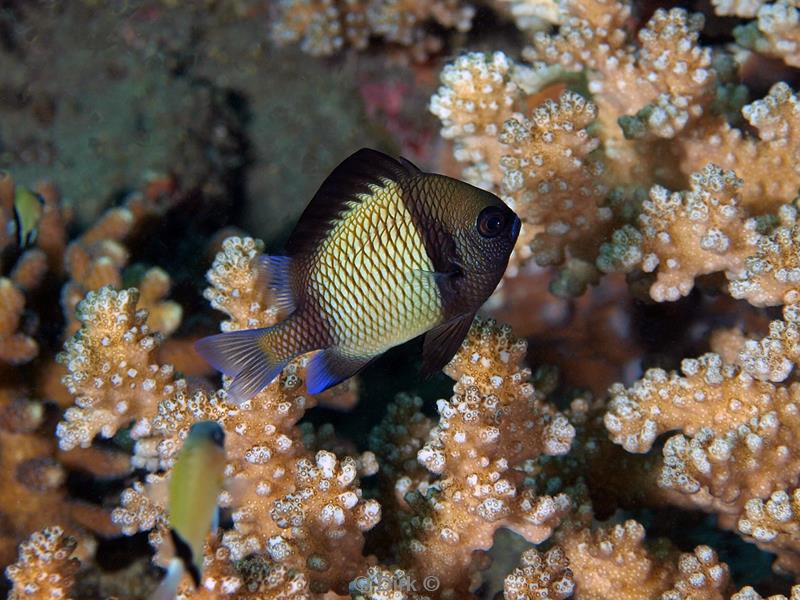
(442, 342)
(340, 190)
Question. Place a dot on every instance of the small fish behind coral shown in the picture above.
(196, 482)
(383, 253)
(28, 211)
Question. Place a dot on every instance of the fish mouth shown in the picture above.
(515, 227)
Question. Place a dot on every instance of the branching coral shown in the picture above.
(776, 118)
(111, 372)
(46, 567)
(301, 509)
(775, 30)
(683, 235)
(494, 422)
(323, 27)
(613, 562)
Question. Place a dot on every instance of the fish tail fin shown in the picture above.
(168, 588)
(275, 276)
(247, 356)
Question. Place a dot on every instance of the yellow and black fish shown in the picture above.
(196, 482)
(28, 211)
(383, 253)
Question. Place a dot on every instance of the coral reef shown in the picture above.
(323, 27)
(637, 435)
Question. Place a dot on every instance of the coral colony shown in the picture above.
(640, 167)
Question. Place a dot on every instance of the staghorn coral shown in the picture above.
(618, 105)
(776, 118)
(774, 32)
(324, 27)
(612, 561)
(110, 368)
(540, 576)
(15, 346)
(550, 177)
(654, 89)
(96, 259)
(46, 566)
(684, 235)
(774, 525)
(301, 509)
(494, 422)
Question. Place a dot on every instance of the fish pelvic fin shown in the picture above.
(275, 276)
(247, 357)
(193, 564)
(331, 366)
(443, 341)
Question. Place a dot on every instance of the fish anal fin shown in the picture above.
(347, 185)
(184, 551)
(330, 367)
(275, 276)
(443, 341)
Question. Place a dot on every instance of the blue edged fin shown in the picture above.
(241, 355)
(330, 367)
(274, 274)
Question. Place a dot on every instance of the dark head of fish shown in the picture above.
(482, 232)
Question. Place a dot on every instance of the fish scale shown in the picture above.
(367, 264)
(383, 253)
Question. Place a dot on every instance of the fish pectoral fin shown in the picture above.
(330, 367)
(274, 275)
(442, 342)
(240, 355)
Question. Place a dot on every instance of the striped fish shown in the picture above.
(383, 253)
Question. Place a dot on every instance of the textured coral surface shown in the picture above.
(622, 421)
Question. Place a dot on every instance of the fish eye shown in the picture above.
(491, 222)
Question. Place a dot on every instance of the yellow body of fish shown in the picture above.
(28, 211)
(384, 253)
(196, 482)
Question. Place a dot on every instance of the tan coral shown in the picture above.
(748, 593)
(775, 32)
(494, 422)
(45, 568)
(111, 372)
(773, 267)
(253, 578)
(773, 357)
(478, 94)
(540, 575)
(647, 93)
(323, 27)
(683, 235)
(733, 426)
(776, 118)
(774, 525)
(15, 346)
(553, 182)
(614, 563)
(709, 393)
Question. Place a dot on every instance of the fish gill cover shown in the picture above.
(624, 420)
